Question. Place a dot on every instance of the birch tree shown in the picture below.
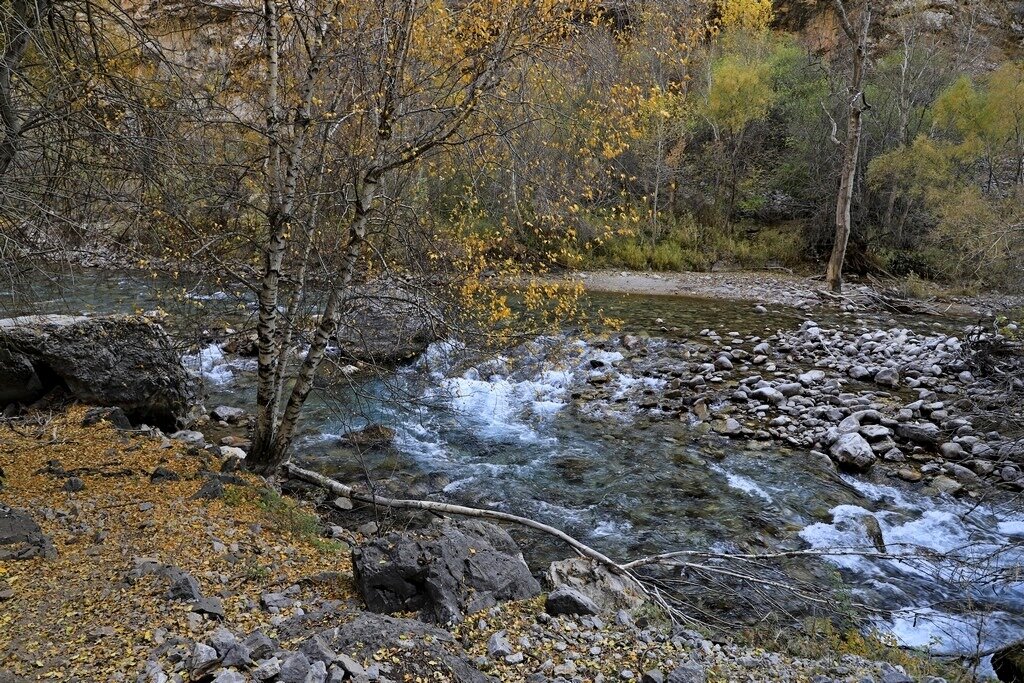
(368, 91)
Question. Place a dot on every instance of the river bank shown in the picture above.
(701, 424)
(152, 561)
(783, 288)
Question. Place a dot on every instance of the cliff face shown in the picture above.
(993, 29)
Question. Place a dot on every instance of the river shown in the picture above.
(507, 433)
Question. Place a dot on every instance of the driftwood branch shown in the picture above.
(346, 491)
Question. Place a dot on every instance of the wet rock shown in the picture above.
(21, 538)
(128, 362)
(946, 485)
(387, 324)
(372, 436)
(852, 452)
(444, 572)
(907, 474)
(874, 532)
(565, 600)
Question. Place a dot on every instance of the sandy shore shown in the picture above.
(775, 287)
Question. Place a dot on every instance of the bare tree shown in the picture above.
(857, 105)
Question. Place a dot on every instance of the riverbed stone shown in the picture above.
(951, 451)
(924, 433)
(852, 452)
(944, 484)
(887, 377)
(444, 572)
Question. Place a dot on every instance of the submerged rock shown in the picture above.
(444, 572)
(122, 361)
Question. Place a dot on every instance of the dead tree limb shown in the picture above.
(346, 491)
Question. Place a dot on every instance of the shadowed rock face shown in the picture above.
(127, 362)
(444, 572)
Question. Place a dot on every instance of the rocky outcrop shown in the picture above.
(1008, 663)
(126, 362)
(444, 572)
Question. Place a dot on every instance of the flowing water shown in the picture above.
(505, 432)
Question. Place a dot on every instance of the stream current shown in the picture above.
(506, 433)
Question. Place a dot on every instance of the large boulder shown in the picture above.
(123, 361)
(387, 323)
(444, 572)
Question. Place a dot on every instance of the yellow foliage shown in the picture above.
(748, 15)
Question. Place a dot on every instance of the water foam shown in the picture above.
(943, 555)
(210, 364)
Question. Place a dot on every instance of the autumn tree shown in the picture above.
(370, 91)
(856, 106)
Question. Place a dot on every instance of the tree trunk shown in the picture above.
(851, 151)
(28, 16)
(834, 274)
